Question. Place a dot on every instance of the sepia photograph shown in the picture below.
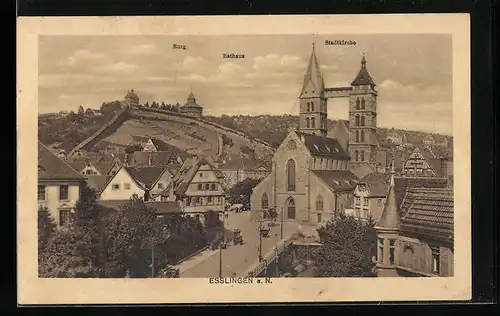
(228, 160)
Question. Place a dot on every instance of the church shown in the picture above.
(313, 175)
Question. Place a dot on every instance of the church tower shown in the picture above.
(313, 110)
(363, 119)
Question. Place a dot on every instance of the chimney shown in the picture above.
(150, 160)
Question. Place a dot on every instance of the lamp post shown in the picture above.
(260, 240)
(282, 220)
(277, 256)
(223, 242)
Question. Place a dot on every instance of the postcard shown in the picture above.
(240, 159)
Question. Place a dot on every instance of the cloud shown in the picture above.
(328, 67)
(273, 63)
(227, 75)
(393, 90)
(81, 56)
(145, 49)
(117, 68)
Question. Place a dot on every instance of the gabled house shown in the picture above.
(95, 168)
(421, 163)
(59, 185)
(198, 186)
(145, 182)
(241, 168)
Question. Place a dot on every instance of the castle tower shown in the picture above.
(387, 229)
(313, 110)
(363, 118)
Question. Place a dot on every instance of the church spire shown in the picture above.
(390, 219)
(313, 85)
(363, 78)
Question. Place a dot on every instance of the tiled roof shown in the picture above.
(186, 173)
(146, 176)
(104, 167)
(114, 204)
(78, 165)
(51, 167)
(378, 183)
(98, 182)
(139, 138)
(429, 213)
(363, 77)
(402, 183)
(323, 146)
(159, 158)
(313, 75)
(434, 162)
(338, 180)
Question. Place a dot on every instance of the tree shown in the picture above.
(68, 255)
(241, 192)
(46, 229)
(348, 245)
(146, 105)
(154, 105)
(89, 112)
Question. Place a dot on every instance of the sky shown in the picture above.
(413, 73)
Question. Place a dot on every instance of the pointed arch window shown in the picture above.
(312, 106)
(357, 120)
(362, 121)
(290, 175)
(264, 202)
(308, 107)
(362, 136)
(319, 203)
(313, 122)
(362, 154)
(362, 103)
(357, 136)
(290, 207)
(357, 104)
(308, 124)
(356, 155)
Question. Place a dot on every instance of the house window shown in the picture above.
(380, 252)
(126, 186)
(264, 202)
(356, 155)
(357, 200)
(358, 213)
(41, 193)
(201, 174)
(188, 201)
(435, 259)
(64, 217)
(362, 158)
(200, 187)
(213, 187)
(392, 250)
(365, 202)
(63, 192)
(319, 203)
(207, 186)
(319, 218)
(210, 200)
(115, 186)
(290, 172)
(198, 200)
(365, 214)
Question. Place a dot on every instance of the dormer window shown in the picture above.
(327, 148)
(316, 146)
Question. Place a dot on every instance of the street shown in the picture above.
(236, 259)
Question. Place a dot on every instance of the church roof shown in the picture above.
(429, 212)
(323, 146)
(363, 77)
(390, 218)
(338, 180)
(51, 167)
(313, 75)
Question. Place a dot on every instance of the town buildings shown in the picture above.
(242, 168)
(59, 186)
(154, 152)
(416, 238)
(198, 187)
